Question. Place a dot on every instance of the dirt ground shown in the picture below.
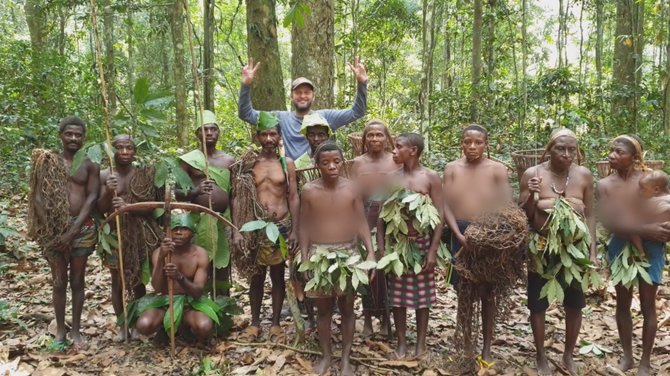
(26, 324)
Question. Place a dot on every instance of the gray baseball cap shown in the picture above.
(299, 81)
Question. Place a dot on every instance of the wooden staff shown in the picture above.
(106, 121)
(200, 109)
(168, 234)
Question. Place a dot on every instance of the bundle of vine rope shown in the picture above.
(494, 259)
(248, 209)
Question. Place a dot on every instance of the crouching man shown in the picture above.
(188, 270)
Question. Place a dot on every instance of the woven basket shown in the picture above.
(305, 175)
(605, 170)
(524, 159)
(356, 141)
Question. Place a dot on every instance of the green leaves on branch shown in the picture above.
(168, 170)
(401, 207)
(333, 269)
(271, 231)
(629, 266)
(563, 257)
(296, 15)
(92, 151)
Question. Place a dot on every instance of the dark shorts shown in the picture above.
(83, 243)
(574, 296)
(654, 252)
(455, 246)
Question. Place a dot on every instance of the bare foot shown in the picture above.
(644, 369)
(486, 355)
(322, 365)
(542, 365)
(626, 363)
(120, 336)
(78, 342)
(569, 364)
(347, 368)
(420, 351)
(61, 334)
(401, 352)
(383, 329)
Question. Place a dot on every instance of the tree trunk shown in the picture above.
(208, 54)
(624, 76)
(599, 61)
(428, 48)
(666, 107)
(313, 48)
(108, 41)
(179, 70)
(490, 40)
(268, 87)
(476, 59)
(524, 64)
(130, 74)
(37, 22)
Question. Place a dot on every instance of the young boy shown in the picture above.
(411, 290)
(331, 217)
(316, 131)
(656, 206)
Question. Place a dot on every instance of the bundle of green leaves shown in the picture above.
(401, 253)
(564, 259)
(629, 266)
(333, 269)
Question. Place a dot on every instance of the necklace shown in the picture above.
(561, 192)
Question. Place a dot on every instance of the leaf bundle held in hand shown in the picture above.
(332, 269)
(629, 266)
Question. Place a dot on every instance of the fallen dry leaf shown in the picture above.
(400, 363)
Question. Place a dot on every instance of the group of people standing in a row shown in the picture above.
(334, 215)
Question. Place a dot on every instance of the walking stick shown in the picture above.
(200, 109)
(108, 150)
(168, 234)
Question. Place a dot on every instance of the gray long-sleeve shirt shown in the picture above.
(295, 143)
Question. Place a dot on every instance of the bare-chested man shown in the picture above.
(618, 196)
(473, 184)
(410, 290)
(188, 271)
(140, 231)
(316, 130)
(331, 217)
(216, 188)
(556, 178)
(72, 249)
(371, 171)
(277, 194)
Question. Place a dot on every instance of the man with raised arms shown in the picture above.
(302, 97)
(140, 233)
(332, 219)
(473, 184)
(559, 177)
(216, 189)
(70, 251)
(371, 171)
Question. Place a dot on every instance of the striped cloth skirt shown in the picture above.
(413, 290)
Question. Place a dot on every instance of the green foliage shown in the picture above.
(5, 230)
(10, 315)
(629, 266)
(335, 270)
(271, 231)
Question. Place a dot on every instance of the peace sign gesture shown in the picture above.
(249, 71)
(359, 71)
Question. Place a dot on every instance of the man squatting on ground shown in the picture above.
(71, 250)
(302, 97)
(216, 188)
(188, 271)
(473, 184)
(371, 171)
(277, 193)
(416, 291)
(331, 218)
(556, 178)
(140, 234)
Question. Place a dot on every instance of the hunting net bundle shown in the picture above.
(247, 209)
(48, 178)
(493, 260)
(141, 234)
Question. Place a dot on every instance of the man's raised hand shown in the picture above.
(359, 71)
(249, 72)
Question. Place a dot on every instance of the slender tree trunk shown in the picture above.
(208, 54)
(313, 48)
(581, 50)
(268, 87)
(666, 107)
(490, 40)
(130, 74)
(476, 60)
(445, 81)
(599, 61)
(179, 70)
(524, 63)
(108, 41)
(428, 47)
(624, 75)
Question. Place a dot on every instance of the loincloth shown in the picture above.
(270, 253)
(181, 303)
(413, 290)
(349, 248)
(654, 254)
(83, 243)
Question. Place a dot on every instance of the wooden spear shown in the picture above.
(168, 234)
(108, 150)
(199, 110)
